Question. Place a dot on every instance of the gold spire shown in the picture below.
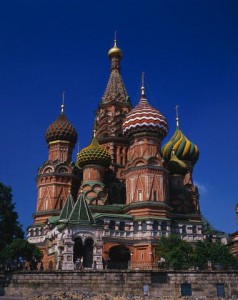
(115, 51)
(143, 84)
(177, 116)
(115, 39)
(62, 105)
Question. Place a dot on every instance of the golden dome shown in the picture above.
(115, 51)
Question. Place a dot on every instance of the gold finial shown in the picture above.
(94, 133)
(143, 84)
(62, 105)
(177, 115)
(115, 39)
(115, 51)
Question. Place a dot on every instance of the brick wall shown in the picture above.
(166, 285)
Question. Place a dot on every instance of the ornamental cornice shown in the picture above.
(146, 167)
(117, 139)
(147, 204)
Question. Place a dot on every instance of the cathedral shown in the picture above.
(124, 192)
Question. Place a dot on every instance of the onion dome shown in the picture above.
(94, 154)
(115, 51)
(184, 149)
(177, 166)
(61, 129)
(145, 118)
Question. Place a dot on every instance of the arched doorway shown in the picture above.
(88, 253)
(119, 257)
(84, 251)
(78, 249)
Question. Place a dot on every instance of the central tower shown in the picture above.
(113, 107)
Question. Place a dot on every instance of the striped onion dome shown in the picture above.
(145, 118)
(177, 166)
(184, 149)
(61, 129)
(94, 154)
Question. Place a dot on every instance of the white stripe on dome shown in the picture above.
(145, 124)
(144, 117)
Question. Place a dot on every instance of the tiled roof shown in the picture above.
(67, 208)
(81, 213)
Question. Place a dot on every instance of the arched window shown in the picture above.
(140, 195)
(155, 198)
(112, 225)
(163, 228)
(184, 229)
(143, 226)
(194, 229)
(155, 226)
(122, 226)
(136, 227)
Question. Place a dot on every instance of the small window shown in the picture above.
(136, 227)
(155, 195)
(143, 226)
(194, 229)
(186, 289)
(122, 226)
(184, 229)
(163, 227)
(155, 226)
(220, 290)
(140, 195)
(112, 225)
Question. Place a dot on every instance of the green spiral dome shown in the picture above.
(94, 154)
(184, 149)
(177, 166)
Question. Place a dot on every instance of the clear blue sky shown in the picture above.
(188, 50)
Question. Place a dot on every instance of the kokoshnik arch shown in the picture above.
(125, 191)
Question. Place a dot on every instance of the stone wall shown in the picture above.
(161, 284)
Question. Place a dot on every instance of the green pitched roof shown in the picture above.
(81, 213)
(67, 208)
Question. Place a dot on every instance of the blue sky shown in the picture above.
(188, 50)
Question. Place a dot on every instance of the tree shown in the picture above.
(10, 228)
(21, 251)
(215, 252)
(181, 255)
(176, 252)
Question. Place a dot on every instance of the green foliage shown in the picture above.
(181, 255)
(215, 252)
(22, 250)
(10, 228)
(176, 252)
